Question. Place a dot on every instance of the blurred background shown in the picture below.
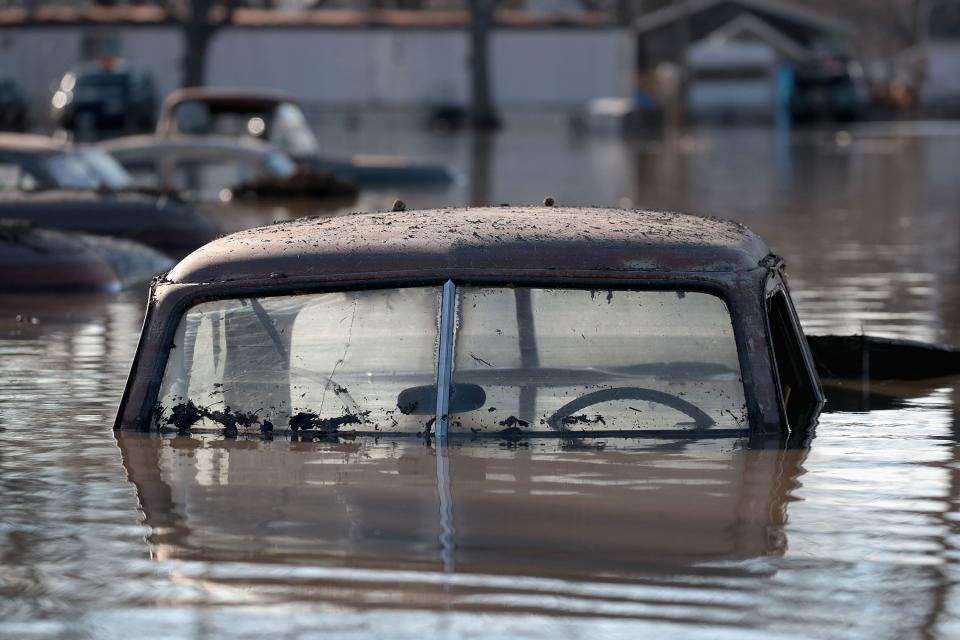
(134, 132)
(827, 127)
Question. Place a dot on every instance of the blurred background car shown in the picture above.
(13, 107)
(36, 163)
(79, 188)
(241, 182)
(278, 118)
(98, 99)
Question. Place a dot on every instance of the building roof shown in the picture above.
(750, 26)
(499, 242)
(774, 8)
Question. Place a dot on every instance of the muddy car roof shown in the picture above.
(496, 242)
(29, 143)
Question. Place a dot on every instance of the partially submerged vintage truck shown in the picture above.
(503, 322)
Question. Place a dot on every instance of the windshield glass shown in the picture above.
(525, 360)
(106, 169)
(72, 171)
(556, 360)
(320, 362)
(279, 165)
(290, 131)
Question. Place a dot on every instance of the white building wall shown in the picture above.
(941, 86)
(365, 68)
(560, 68)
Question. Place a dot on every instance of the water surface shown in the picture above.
(144, 536)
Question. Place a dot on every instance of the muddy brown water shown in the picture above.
(143, 536)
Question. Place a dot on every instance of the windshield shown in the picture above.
(525, 361)
(284, 126)
(291, 133)
(553, 360)
(106, 169)
(325, 361)
(72, 171)
(279, 165)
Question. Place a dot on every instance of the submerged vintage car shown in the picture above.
(499, 322)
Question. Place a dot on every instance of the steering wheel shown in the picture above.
(701, 419)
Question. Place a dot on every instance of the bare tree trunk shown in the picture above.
(483, 114)
(199, 23)
(197, 40)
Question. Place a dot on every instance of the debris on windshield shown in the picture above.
(308, 421)
(583, 419)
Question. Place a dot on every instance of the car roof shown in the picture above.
(29, 143)
(498, 242)
(185, 143)
(228, 98)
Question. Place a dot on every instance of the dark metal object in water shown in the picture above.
(43, 260)
(159, 222)
(881, 358)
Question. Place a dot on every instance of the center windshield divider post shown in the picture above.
(445, 360)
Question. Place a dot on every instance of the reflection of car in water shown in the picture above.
(246, 174)
(276, 117)
(554, 509)
(76, 188)
(110, 96)
(552, 323)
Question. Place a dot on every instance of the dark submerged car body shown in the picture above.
(112, 96)
(608, 261)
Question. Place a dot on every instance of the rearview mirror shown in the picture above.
(422, 401)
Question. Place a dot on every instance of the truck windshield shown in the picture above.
(538, 361)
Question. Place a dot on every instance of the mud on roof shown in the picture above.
(494, 240)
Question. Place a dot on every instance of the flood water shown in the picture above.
(132, 535)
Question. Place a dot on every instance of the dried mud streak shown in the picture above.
(583, 419)
(309, 421)
(346, 348)
(186, 414)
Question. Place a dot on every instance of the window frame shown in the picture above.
(739, 316)
(812, 379)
